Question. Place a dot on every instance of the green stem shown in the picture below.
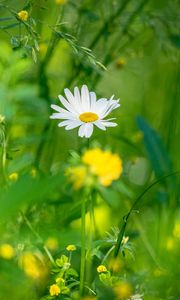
(28, 223)
(126, 217)
(83, 244)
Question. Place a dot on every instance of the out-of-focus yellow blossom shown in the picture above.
(54, 290)
(23, 15)
(123, 290)
(7, 251)
(60, 2)
(101, 269)
(33, 172)
(115, 265)
(77, 175)
(71, 248)
(120, 63)
(52, 243)
(33, 266)
(176, 230)
(170, 244)
(104, 164)
(13, 176)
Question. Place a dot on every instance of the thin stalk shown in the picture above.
(28, 223)
(126, 217)
(83, 244)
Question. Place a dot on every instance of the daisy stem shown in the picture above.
(83, 244)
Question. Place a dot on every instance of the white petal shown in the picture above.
(101, 105)
(64, 123)
(56, 107)
(70, 97)
(66, 115)
(88, 130)
(112, 105)
(85, 98)
(55, 116)
(81, 131)
(92, 101)
(67, 105)
(77, 97)
(108, 124)
(99, 125)
(73, 125)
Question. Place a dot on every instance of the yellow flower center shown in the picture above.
(88, 117)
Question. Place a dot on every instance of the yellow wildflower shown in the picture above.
(32, 266)
(51, 243)
(60, 2)
(104, 164)
(101, 269)
(176, 230)
(123, 290)
(77, 175)
(54, 290)
(13, 176)
(23, 15)
(6, 251)
(71, 248)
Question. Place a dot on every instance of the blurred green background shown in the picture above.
(126, 48)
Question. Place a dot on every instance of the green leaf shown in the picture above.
(156, 151)
(26, 190)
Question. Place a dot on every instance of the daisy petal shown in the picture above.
(55, 116)
(99, 125)
(109, 124)
(81, 131)
(77, 97)
(56, 107)
(92, 101)
(67, 105)
(85, 97)
(73, 124)
(88, 130)
(64, 123)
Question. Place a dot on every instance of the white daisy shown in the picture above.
(83, 110)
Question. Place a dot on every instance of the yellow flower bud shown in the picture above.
(71, 248)
(101, 269)
(23, 15)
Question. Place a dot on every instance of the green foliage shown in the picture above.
(127, 48)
